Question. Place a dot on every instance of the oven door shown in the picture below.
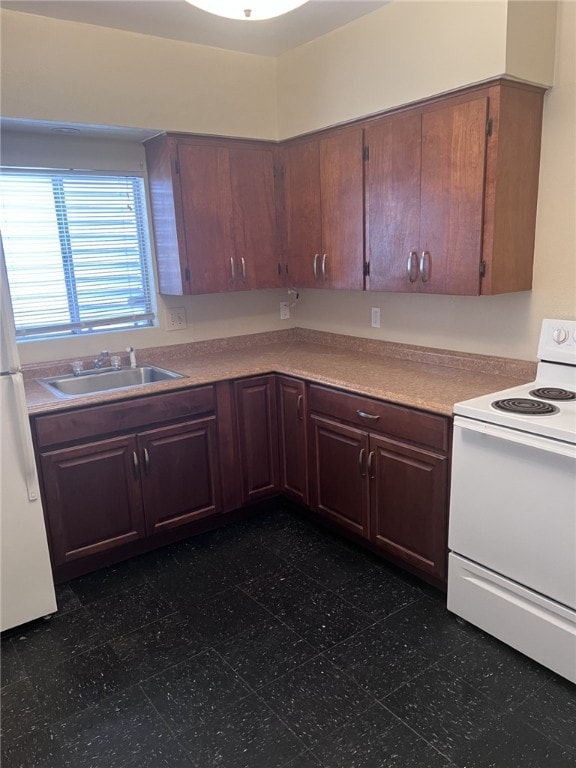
(513, 506)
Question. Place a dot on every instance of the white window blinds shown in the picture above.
(76, 249)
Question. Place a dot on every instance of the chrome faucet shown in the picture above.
(100, 359)
(132, 355)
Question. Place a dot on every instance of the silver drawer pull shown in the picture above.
(364, 415)
(232, 269)
(146, 460)
(315, 266)
(324, 270)
(425, 266)
(412, 266)
(135, 464)
(299, 402)
(361, 462)
(243, 263)
(370, 463)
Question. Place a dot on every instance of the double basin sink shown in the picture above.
(107, 379)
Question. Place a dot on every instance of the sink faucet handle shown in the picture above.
(100, 358)
(132, 354)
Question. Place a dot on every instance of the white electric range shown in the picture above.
(512, 530)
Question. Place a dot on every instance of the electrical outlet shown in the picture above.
(284, 310)
(375, 317)
(175, 319)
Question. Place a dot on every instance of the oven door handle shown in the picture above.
(515, 436)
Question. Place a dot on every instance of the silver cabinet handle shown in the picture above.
(425, 266)
(324, 258)
(146, 460)
(412, 266)
(370, 463)
(136, 465)
(299, 402)
(370, 416)
(232, 269)
(361, 462)
(315, 266)
(243, 263)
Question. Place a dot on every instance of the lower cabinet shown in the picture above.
(179, 473)
(255, 400)
(387, 483)
(339, 479)
(102, 494)
(408, 504)
(92, 498)
(128, 471)
(293, 438)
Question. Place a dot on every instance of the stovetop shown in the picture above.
(547, 405)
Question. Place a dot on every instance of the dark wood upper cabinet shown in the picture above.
(435, 197)
(323, 179)
(214, 212)
(451, 191)
(207, 218)
(392, 199)
(257, 256)
(303, 214)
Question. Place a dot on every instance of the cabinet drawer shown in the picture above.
(377, 416)
(125, 416)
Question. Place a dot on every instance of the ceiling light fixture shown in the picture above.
(248, 10)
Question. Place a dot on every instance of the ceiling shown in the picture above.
(178, 20)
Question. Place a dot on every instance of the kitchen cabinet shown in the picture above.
(293, 437)
(214, 213)
(255, 401)
(380, 471)
(451, 191)
(103, 490)
(340, 487)
(323, 226)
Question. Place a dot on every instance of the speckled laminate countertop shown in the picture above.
(429, 379)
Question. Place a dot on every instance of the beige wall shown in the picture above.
(401, 53)
(64, 71)
(347, 78)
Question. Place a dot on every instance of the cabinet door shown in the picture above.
(292, 426)
(92, 498)
(393, 202)
(180, 479)
(339, 479)
(254, 206)
(303, 218)
(207, 216)
(452, 195)
(342, 191)
(257, 436)
(408, 500)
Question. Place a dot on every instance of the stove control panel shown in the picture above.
(558, 341)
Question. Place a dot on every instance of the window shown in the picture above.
(76, 250)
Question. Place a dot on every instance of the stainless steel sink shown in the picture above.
(106, 379)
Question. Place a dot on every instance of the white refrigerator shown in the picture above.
(26, 584)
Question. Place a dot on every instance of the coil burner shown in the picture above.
(525, 406)
(553, 393)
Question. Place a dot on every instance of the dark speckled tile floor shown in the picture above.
(271, 644)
